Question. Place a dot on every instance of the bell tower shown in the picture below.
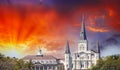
(68, 58)
(83, 43)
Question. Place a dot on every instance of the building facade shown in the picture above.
(44, 62)
(82, 59)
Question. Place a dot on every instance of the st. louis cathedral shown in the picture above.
(82, 59)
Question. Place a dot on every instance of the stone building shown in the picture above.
(83, 58)
(44, 62)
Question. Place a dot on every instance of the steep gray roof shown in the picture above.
(83, 31)
(98, 48)
(67, 51)
(38, 57)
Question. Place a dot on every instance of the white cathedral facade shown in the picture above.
(82, 59)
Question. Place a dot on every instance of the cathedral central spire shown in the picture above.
(83, 31)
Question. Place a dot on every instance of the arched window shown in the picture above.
(87, 56)
(87, 63)
(67, 65)
(93, 55)
(82, 64)
(80, 47)
(83, 48)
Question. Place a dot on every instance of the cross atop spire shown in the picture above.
(67, 51)
(83, 31)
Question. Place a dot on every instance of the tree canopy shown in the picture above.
(8, 63)
(108, 63)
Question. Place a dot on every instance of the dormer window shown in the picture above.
(50, 61)
(37, 62)
(42, 61)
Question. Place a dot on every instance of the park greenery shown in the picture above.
(8, 63)
(108, 63)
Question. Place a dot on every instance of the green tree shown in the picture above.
(108, 63)
(8, 63)
(29, 65)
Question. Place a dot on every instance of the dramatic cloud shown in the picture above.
(111, 45)
(26, 25)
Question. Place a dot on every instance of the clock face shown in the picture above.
(82, 46)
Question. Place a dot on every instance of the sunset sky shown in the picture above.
(26, 25)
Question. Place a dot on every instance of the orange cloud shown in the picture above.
(27, 30)
(97, 29)
(111, 13)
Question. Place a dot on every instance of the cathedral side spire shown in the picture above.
(98, 48)
(67, 51)
(83, 31)
(68, 58)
